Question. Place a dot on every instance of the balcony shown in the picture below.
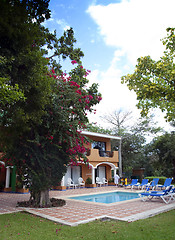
(96, 155)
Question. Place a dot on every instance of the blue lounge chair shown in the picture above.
(166, 184)
(143, 184)
(134, 182)
(153, 184)
(165, 195)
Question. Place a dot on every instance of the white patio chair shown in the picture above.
(70, 183)
(81, 182)
(105, 181)
(98, 181)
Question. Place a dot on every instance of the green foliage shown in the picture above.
(111, 180)
(37, 11)
(161, 179)
(88, 180)
(161, 154)
(92, 127)
(133, 152)
(24, 66)
(9, 94)
(153, 81)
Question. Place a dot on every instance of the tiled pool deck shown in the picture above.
(77, 212)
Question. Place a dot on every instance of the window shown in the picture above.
(101, 146)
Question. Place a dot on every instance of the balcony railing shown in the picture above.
(106, 153)
(101, 153)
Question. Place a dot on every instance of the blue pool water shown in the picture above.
(111, 197)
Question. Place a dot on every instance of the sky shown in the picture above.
(113, 34)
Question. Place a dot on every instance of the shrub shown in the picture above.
(111, 180)
(161, 179)
(88, 180)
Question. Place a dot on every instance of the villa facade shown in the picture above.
(102, 161)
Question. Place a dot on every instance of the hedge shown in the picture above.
(161, 179)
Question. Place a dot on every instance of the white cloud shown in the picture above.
(63, 24)
(115, 96)
(135, 26)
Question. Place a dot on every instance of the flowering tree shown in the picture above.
(43, 152)
(41, 132)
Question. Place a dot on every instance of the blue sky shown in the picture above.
(113, 34)
(73, 13)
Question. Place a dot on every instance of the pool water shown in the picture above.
(111, 197)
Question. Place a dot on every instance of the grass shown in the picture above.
(25, 226)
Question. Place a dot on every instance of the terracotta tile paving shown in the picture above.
(75, 212)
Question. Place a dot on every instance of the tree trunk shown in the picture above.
(44, 199)
(40, 198)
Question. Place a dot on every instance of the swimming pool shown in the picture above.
(107, 198)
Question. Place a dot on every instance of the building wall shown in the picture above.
(86, 172)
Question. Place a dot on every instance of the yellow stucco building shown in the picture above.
(101, 160)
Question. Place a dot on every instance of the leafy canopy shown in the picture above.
(154, 81)
(163, 150)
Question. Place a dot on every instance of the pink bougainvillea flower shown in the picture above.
(90, 97)
(74, 62)
(72, 83)
(99, 98)
(79, 92)
(50, 137)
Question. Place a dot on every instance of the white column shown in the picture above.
(62, 181)
(120, 158)
(114, 171)
(93, 175)
(7, 181)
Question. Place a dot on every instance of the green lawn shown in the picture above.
(25, 226)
